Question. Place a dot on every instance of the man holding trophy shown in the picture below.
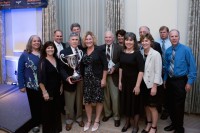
(72, 84)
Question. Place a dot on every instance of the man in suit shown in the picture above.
(73, 91)
(164, 44)
(111, 92)
(144, 30)
(58, 41)
(180, 74)
(76, 28)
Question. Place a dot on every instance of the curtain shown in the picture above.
(90, 14)
(2, 48)
(192, 104)
(49, 23)
(114, 15)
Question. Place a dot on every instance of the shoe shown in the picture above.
(87, 126)
(117, 123)
(80, 123)
(164, 115)
(125, 128)
(144, 131)
(68, 127)
(153, 128)
(36, 129)
(169, 128)
(106, 118)
(135, 130)
(95, 126)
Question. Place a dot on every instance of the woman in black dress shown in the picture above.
(50, 84)
(95, 71)
(130, 77)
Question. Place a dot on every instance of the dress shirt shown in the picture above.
(167, 43)
(111, 49)
(59, 48)
(184, 63)
(74, 51)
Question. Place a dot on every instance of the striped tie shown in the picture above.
(171, 67)
(76, 50)
(108, 53)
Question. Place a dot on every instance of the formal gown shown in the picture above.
(50, 77)
(131, 64)
(92, 93)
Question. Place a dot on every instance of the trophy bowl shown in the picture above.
(73, 61)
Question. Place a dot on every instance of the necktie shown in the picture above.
(163, 51)
(76, 50)
(108, 53)
(171, 67)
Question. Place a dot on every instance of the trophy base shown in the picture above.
(76, 79)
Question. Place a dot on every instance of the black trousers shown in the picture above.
(176, 95)
(35, 103)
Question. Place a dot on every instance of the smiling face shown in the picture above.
(74, 41)
(109, 38)
(146, 43)
(89, 42)
(120, 39)
(174, 37)
(35, 43)
(76, 30)
(58, 37)
(50, 50)
(129, 43)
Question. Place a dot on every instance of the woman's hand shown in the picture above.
(45, 95)
(153, 90)
(23, 90)
(103, 83)
(120, 86)
(136, 90)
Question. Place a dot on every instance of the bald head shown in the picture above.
(174, 36)
(144, 30)
(109, 37)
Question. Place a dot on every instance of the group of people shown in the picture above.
(121, 79)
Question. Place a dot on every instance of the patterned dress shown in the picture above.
(93, 93)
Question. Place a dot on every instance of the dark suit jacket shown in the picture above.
(156, 46)
(66, 71)
(116, 50)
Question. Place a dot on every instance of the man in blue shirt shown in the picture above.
(164, 44)
(180, 73)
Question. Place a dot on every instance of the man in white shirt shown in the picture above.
(164, 44)
(58, 38)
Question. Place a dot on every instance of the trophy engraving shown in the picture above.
(73, 61)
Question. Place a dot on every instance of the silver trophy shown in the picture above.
(73, 61)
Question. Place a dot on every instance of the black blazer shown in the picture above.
(67, 71)
(116, 50)
(99, 63)
(156, 46)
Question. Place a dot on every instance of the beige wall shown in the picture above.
(155, 13)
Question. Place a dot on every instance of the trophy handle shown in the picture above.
(62, 56)
(81, 55)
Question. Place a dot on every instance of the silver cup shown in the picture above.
(73, 61)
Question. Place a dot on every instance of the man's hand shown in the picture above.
(188, 87)
(69, 80)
